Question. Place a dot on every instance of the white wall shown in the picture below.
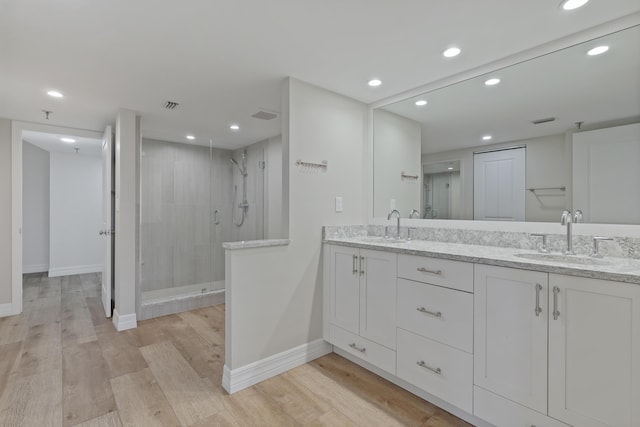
(75, 214)
(396, 141)
(274, 295)
(273, 188)
(5, 213)
(35, 209)
(547, 165)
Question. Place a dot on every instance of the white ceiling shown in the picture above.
(224, 60)
(51, 142)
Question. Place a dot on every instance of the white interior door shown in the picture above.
(107, 220)
(499, 185)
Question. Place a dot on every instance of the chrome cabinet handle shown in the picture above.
(556, 313)
(101, 232)
(436, 371)
(355, 347)
(425, 270)
(355, 264)
(216, 220)
(538, 310)
(430, 313)
(361, 265)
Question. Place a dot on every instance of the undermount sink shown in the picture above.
(380, 239)
(567, 259)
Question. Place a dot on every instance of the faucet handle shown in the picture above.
(577, 216)
(596, 247)
(414, 212)
(543, 248)
(566, 217)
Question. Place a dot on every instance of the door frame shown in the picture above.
(17, 127)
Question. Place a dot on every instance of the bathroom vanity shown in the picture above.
(509, 336)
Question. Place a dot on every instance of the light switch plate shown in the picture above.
(338, 204)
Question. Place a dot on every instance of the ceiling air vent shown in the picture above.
(264, 115)
(170, 105)
(539, 121)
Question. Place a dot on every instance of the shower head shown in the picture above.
(242, 170)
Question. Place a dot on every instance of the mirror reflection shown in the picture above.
(561, 131)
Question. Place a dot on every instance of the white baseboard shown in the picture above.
(78, 269)
(246, 376)
(124, 322)
(35, 268)
(6, 310)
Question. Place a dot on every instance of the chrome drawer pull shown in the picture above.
(355, 264)
(556, 313)
(437, 371)
(355, 347)
(361, 265)
(538, 310)
(426, 270)
(430, 313)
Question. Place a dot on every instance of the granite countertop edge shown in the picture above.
(621, 269)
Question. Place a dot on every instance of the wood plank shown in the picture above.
(331, 418)
(41, 350)
(250, 409)
(120, 354)
(77, 326)
(13, 329)
(87, 389)
(191, 398)
(10, 358)
(141, 401)
(205, 358)
(444, 419)
(35, 400)
(221, 419)
(397, 402)
(346, 401)
(295, 400)
(147, 333)
(44, 310)
(111, 419)
(94, 305)
(208, 322)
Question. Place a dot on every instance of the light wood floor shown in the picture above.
(63, 363)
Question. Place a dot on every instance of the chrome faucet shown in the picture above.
(398, 226)
(414, 212)
(566, 220)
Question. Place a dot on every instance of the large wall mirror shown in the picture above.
(522, 143)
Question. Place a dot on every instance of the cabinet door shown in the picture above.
(594, 352)
(344, 297)
(510, 335)
(378, 297)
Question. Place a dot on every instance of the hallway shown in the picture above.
(63, 363)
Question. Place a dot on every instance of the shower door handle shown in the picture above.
(216, 221)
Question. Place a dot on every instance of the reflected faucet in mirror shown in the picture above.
(395, 212)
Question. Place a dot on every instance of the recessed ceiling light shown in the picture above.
(191, 137)
(491, 82)
(573, 4)
(451, 52)
(55, 94)
(375, 82)
(421, 103)
(598, 50)
(486, 137)
(234, 127)
(449, 168)
(69, 140)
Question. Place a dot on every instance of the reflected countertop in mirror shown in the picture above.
(538, 104)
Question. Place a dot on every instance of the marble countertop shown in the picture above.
(608, 268)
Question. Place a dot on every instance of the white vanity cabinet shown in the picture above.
(570, 341)
(510, 334)
(435, 327)
(594, 352)
(360, 301)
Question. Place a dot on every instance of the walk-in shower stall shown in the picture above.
(194, 198)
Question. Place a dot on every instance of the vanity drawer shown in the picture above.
(441, 272)
(442, 314)
(454, 380)
(364, 349)
(504, 413)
